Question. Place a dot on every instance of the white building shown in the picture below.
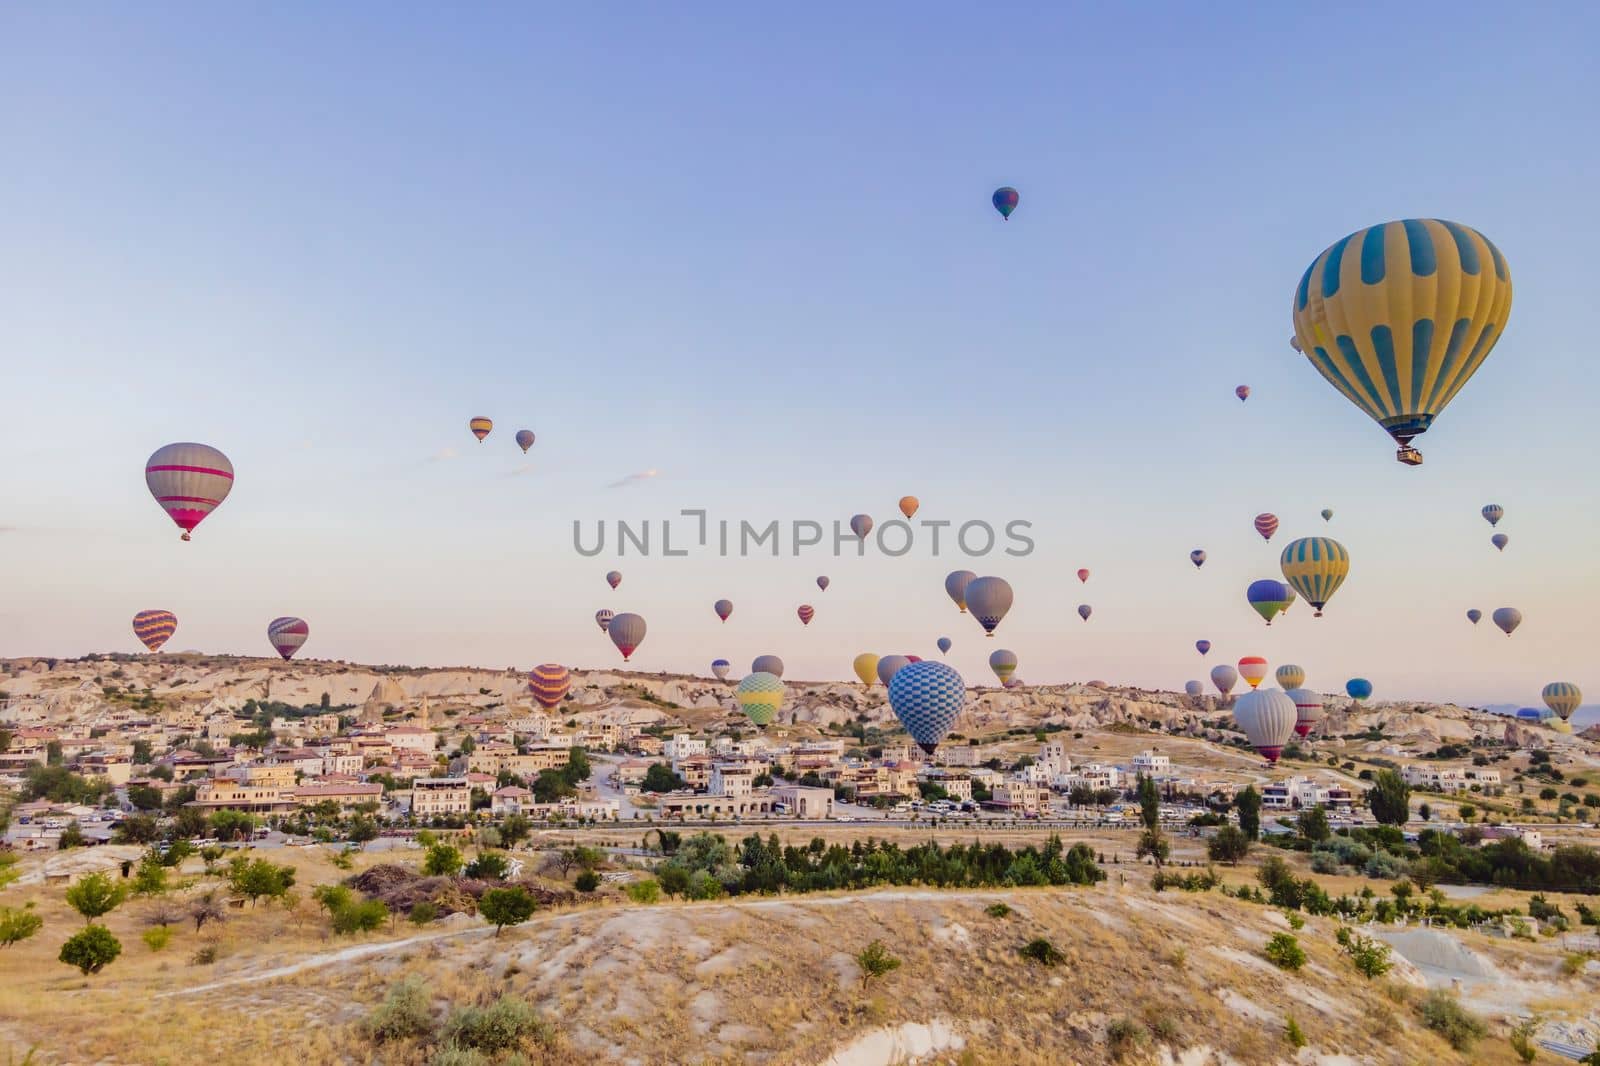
(411, 738)
(431, 796)
(1053, 755)
(683, 746)
(1094, 775)
(1301, 793)
(1152, 763)
(732, 779)
(960, 755)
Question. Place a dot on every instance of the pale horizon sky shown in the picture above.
(753, 250)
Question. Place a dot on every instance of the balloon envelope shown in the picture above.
(1358, 688)
(1327, 514)
(988, 598)
(1492, 513)
(1202, 646)
(1315, 567)
(627, 633)
(154, 628)
(1308, 709)
(861, 525)
(1399, 316)
(287, 634)
(1266, 524)
(767, 664)
(866, 667)
(602, 618)
(480, 427)
(1224, 677)
(1194, 688)
(1507, 618)
(945, 644)
(1290, 676)
(1500, 540)
(1005, 201)
(909, 505)
(1253, 668)
(550, 684)
(890, 665)
(806, 613)
(1243, 392)
(189, 481)
(524, 440)
(720, 668)
(1003, 662)
(1198, 558)
(927, 697)
(955, 586)
(724, 608)
(760, 695)
(1563, 697)
(614, 578)
(1084, 611)
(1474, 615)
(1083, 575)
(822, 582)
(1267, 717)
(1267, 597)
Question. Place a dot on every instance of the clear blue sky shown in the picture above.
(754, 250)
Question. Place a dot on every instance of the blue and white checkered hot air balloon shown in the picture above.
(926, 697)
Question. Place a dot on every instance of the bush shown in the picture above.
(1041, 951)
(489, 866)
(362, 917)
(1523, 1038)
(90, 949)
(1285, 952)
(157, 937)
(1445, 1015)
(647, 891)
(94, 895)
(205, 955)
(1229, 845)
(1292, 1033)
(442, 860)
(1164, 1025)
(506, 1024)
(1124, 1035)
(875, 961)
(18, 924)
(507, 906)
(997, 910)
(1371, 957)
(404, 1013)
(587, 881)
(423, 912)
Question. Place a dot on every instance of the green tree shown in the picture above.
(150, 879)
(587, 881)
(489, 866)
(226, 824)
(515, 829)
(1389, 798)
(875, 961)
(507, 906)
(18, 924)
(137, 829)
(1149, 803)
(442, 860)
(361, 916)
(91, 949)
(660, 778)
(1228, 845)
(361, 830)
(674, 879)
(1153, 842)
(71, 837)
(1248, 804)
(259, 878)
(94, 895)
(144, 798)
(1313, 824)
(1285, 952)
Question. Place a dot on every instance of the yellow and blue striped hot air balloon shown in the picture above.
(1398, 316)
(1562, 697)
(760, 695)
(1316, 567)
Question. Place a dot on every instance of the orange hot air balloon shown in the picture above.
(1253, 668)
(480, 427)
(909, 505)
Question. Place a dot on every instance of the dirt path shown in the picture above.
(363, 951)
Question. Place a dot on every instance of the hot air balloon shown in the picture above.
(1307, 709)
(767, 664)
(1083, 576)
(1563, 697)
(720, 668)
(1474, 615)
(287, 634)
(890, 665)
(945, 644)
(189, 481)
(1015, 682)
(866, 667)
(1492, 513)
(1084, 611)
(909, 505)
(1198, 558)
(1507, 618)
(154, 628)
(861, 525)
(1253, 668)
(1397, 318)
(989, 598)
(627, 633)
(1243, 392)
(806, 613)
(1267, 717)
(1268, 597)
(480, 427)
(1224, 677)
(1194, 688)
(524, 440)
(1266, 524)
(602, 618)
(927, 697)
(822, 582)
(1500, 540)
(724, 608)
(1316, 567)
(1358, 688)
(1202, 646)
(1005, 201)
(955, 586)
(1004, 663)
(913, 658)
(1327, 514)
(760, 695)
(550, 684)
(1290, 676)
(1294, 342)
(614, 578)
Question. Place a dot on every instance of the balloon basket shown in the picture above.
(1409, 456)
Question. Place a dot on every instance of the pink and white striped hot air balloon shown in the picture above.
(1266, 525)
(806, 613)
(189, 481)
(287, 634)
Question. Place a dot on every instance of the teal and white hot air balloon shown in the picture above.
(1562, 697)
(927, 697)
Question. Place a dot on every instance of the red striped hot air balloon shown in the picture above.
(287, 634)
(550, 684)
(480, 427)
(1266, 525)
(189, 481)
(806, 613)
(1253, 668)
(154, 628)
